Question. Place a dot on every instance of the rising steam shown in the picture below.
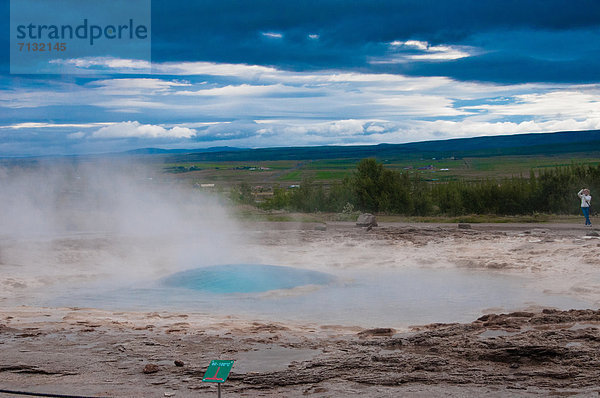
(66, 224)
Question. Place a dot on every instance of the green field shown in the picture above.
(469, 159)
(268, 174)
(485, 179)
(295, 175)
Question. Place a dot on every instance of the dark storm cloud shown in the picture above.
(351, 32)
(506, 68)
(348, 34)
(517, 56)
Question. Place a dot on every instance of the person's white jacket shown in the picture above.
(585, 199)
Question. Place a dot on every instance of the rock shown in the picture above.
(366, 220)
(178, 363)
(521, 314)
(550, 311)
(378, 332)
(151, 368)
(592, 233)
(464, 226)
(321, 227)
(513, 353)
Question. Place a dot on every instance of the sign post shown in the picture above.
(217, 372)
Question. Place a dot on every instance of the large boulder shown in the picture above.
(366, 220)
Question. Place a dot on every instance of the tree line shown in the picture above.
(376, 189)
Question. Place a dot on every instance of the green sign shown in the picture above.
(217, 371)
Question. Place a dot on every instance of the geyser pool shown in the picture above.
(245, 278)
(391, 297)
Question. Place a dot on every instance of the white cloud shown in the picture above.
(125, 65)
(239, 90)
(125, 85)
(375, 129)
(349, 132)
(202, 124)
(419, 45)
(415, 50)
(130, 105)
(77, 135)
(555, 104)
(119, 65)
(180, 132)
(37, 125)
(348, 127)
(441, 53)
(273, 35)
(249, 105)
(136, 130)
(444, 129)
(309, 132)
(212, 69)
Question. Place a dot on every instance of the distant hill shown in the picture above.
(521, 144)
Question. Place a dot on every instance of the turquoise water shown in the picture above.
(245, 278)
(391, 297)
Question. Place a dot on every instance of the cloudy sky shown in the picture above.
(315, 72)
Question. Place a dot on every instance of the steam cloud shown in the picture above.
(71, 224)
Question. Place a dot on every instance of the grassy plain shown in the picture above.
(268, 174)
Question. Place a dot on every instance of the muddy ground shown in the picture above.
(533, 351)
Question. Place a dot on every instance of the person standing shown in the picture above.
(586, 198)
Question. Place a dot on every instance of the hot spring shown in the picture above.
(245, 278)
(397, 298)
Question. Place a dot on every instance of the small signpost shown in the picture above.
(217, 372)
